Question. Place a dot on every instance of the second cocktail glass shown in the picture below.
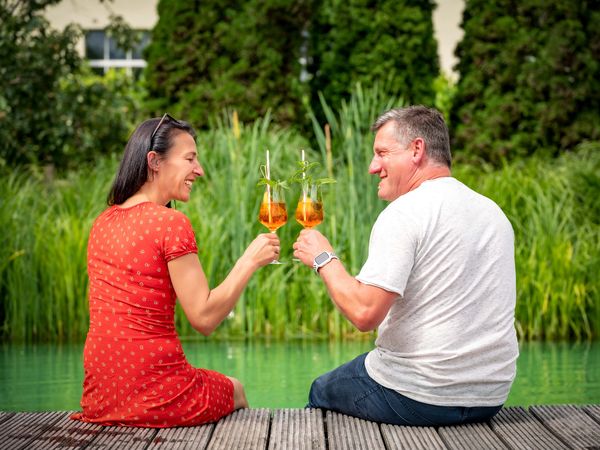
(309, 212)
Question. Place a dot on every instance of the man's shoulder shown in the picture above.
(402, 213)
(476, 205)
(416, 200)
(454, 188)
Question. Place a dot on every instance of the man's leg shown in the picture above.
(337, 390)
(349, 390)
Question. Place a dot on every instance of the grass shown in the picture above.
(552, 204)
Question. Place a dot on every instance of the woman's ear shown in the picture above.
(152, 159)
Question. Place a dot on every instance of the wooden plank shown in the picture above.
(66, 433)
(593, 410)
(521, 430)
(243, 429)
(471, 437)
(120, 438)
(350, 433)
(571, 424)
(19, 430)
(182, 438)
(297, 429)
(411, 438)
(543, 427)
(4, 415)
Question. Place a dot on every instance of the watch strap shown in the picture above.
(329, 257)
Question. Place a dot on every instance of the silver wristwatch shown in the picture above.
(322, 259)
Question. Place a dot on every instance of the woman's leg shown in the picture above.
(239, 396)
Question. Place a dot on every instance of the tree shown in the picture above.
(33, 60)
(529, 77)
(52, 110)
(214, 55)
(389, 42)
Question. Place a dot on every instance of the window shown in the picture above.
(103, 54)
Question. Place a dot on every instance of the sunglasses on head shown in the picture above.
(160, 122)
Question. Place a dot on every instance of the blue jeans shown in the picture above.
(349, 390)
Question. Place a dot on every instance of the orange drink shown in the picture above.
(309, 213)
(272, 215)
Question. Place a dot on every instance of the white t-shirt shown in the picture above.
(449, 338)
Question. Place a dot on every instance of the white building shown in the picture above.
(93, 16)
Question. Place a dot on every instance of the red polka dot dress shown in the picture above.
(135, 371)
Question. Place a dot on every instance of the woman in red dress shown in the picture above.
(142, 256)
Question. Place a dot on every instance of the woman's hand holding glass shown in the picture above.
(263, 250)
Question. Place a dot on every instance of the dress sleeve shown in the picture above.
(179, 238)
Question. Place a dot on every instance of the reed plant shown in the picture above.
(552, 204)
(43, 280)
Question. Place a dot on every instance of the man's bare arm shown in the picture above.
(364, 305)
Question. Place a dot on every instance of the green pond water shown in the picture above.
(46, 377)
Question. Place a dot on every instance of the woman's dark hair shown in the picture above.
(133, 170)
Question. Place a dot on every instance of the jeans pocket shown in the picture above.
(368, 404)
(408, 411)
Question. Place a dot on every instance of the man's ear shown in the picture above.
(418, 150)
(152, 159)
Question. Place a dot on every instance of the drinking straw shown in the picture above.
(269, 186)
(304, 187)
(268, 178)
(303, 177)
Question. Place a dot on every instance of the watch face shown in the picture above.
(321, 258)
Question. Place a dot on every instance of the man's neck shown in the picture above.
(429, 173)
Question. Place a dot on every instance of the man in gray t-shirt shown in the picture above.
(438, 284)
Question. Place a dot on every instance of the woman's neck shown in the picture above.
(145, 194)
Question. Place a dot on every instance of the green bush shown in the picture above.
(206, 57)
(529, 78)
(278, 55)
(388, 42)
(34, 59)
(53, 111)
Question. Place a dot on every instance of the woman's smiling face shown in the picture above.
(179, 169)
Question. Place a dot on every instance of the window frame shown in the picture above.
(106, 63)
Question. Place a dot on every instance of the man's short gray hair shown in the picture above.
(417, 121)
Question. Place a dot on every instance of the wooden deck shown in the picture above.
(539, 427)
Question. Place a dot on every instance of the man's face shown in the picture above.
(392, 163)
